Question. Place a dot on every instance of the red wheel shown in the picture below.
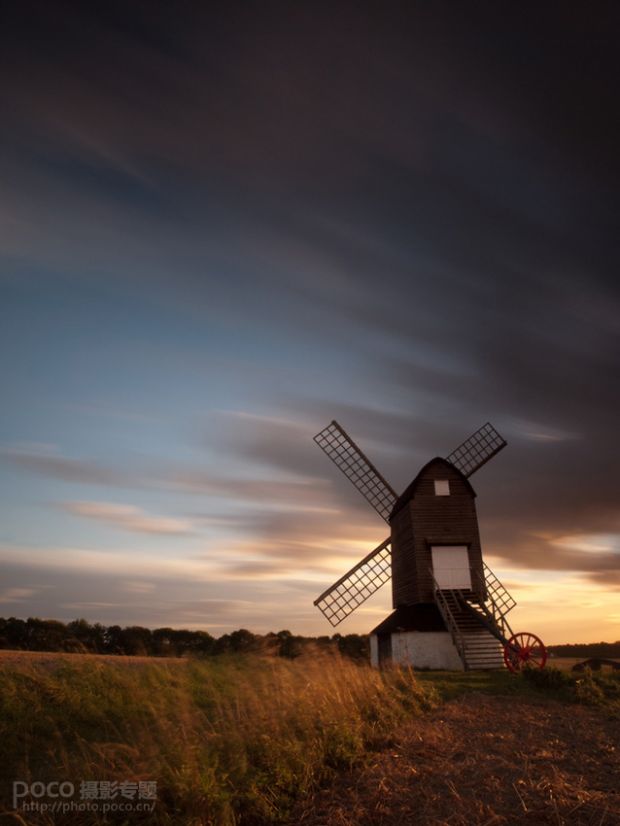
(524, 651)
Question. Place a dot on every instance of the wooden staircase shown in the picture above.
(477, 621)
(479, 648)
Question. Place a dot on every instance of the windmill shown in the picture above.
(449, 608)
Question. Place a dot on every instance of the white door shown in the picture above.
(451, 566)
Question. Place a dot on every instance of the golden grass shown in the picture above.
(228, 740)
(253, 740)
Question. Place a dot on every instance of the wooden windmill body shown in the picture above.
(449, 608)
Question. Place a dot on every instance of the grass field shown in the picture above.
(227, 739)
(257, 740)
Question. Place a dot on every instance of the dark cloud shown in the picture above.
(539, 556)
(411, 210)
(531, 494)
(609, 578)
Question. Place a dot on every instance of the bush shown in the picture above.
(547, 678)
(588, 689)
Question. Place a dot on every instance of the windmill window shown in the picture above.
(442, 487)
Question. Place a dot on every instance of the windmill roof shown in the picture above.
(420, 617)
(410, 490)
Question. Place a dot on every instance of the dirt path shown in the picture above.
(485, 761)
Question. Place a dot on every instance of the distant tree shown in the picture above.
(203, 643)
(16, 633)
(288, 645)
(242, 641)
(606, 650)
(162, 640)
(89, 637)
(182, 641)
(355, 646)
(79, 635)
(136, 640)
(222, 644)
(113, 640)
(45, 635)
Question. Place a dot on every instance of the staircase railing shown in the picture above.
(497, 601)
(451, 624)
(487, 600)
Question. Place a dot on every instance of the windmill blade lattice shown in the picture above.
(361, 582)
(477, 450)
(346, 455)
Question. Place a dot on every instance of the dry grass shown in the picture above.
(485, 761)
(228, 740)
(53, 658)
(318, 741)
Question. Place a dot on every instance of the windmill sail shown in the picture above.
(346, 455)
(345, 595)
(478, 449)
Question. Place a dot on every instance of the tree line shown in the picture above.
(81, 636)
(604, 650)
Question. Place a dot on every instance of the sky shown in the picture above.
(224, 225)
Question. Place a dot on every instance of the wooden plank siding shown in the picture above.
(422, 519)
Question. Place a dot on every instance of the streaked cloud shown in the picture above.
(411, 235)
(16, 595)
(80, 582)
(139, 587)
(129, 563)
(129, 518)
(48, 461)
(596, 544)
(542, 433)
